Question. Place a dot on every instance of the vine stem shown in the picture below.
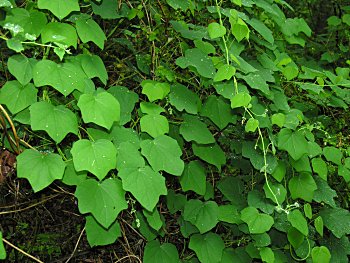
(223, 37)
(12, 127)
(22, 251)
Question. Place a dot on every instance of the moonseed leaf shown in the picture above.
(204, 215)
(155, 90)
(216, 30)
(97, 157)
(336, 220)
(101, 108)
(159, 253)
(321, 254)
(193, 129)
(241, 99)
(211, 153)
(154, 124)
(184, 99)
(145, 185)
(198, 59)
(89, 30)
(194, 178)
(64, 77)
(2, 248)
(93, 67)
(302, 186)
(208, 247)
(39, 169)
(61, 33)
(298, 221)
(258, 223)
(21, 67)
(17, 97)
(57, 121)
(59, 8)
(225, 72)
(163, 154)
(104, 200)
(97, 235)
(292, 142)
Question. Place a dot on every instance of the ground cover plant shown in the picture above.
(174, 131)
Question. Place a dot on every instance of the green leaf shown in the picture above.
(93, 67)
(263, 30)
(302, 186)
(175, 202)
(32, 22)
(59, 8)
(208, 247)
(154, 124)
(108, 9)
(229, 214)
(212, 154)
(308, 210)
(218, 111)
(104, 200)
(321, 254)
(241, 99)
(64, 77)
(194, 178)
(57, 121)
(15, 44)
(280, 171)
(97, 235)
(179, 4)
(298, 221)
(320, 167)
(225, 72)
(61, 33)
(257, 223)
(279, 119)
(199, 60)
(129, 156)
(151, 108)
(267, 255)
(155, 90)
(193, 129)
(153, 219)
(2, 248)
(184, 99)
(158, 253)
(216, 30)
(251, 125)
(340, 248)
(145, 184)
(89, 30)
(295, 238)
(16, 96)
(292, 142)
(5, 3)
(318, 223)
(336, 220)
(101, 108)
(233, 189)
(333, 154)
(279, 191)
(40, 169)
(204, 215)
(240, 30)
(257, 199)
(21, 67)
(127, 100)
(160, 151)
(324, 193)
(72, 177)
(97, 157)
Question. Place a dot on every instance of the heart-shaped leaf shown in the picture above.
(21, 67)
(193, 129)
(61, 33)
(17, 97)
(163, 154)
(89, 30)
(154, 124)
(208, 247)
(59, 8)
(57, 121)
(40, 169)
(258, 223)
(104, 200)
(97, 157)
(216, 30)
(101, 108)
(160, 253)
(145, 184)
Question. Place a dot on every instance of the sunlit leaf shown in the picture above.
(59, 8)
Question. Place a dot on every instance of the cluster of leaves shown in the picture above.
(231, 140)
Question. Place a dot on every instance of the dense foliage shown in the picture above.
(221, 127)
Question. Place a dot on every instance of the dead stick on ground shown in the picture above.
(76, 245)
(20, 250)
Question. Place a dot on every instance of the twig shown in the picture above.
(12, 127)
(20, 250)
(128, 256)
(76, 245)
